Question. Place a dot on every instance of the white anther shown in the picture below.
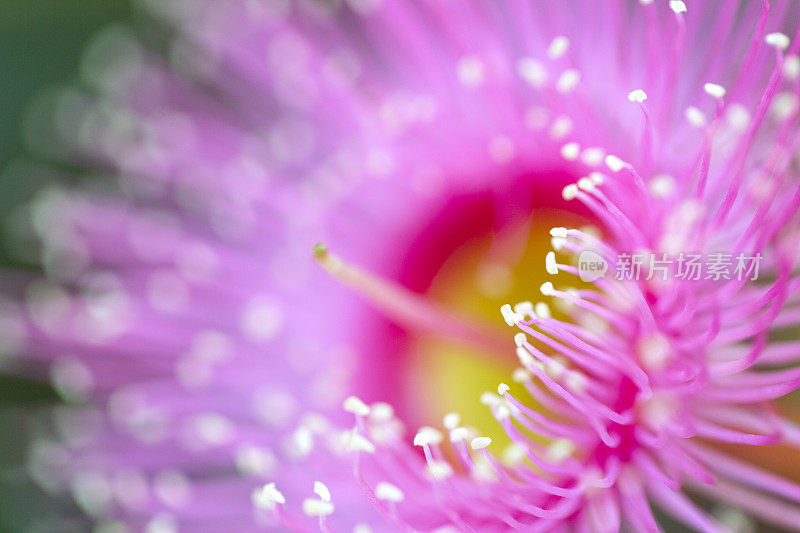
(614, 163)
(586, 184)
(677, 6)
(712, 89)
(489, 398)
(510, 316)
(532, 71)
(458, 434)
(303, 440)
(597, 178)
(356, 406)
(525, 356)
(558, 47)
(568, 80)
(427, 435)
(784, 106)
(356, 442)
(321, 490)
(381, 412)
(315, 507)
(662, 185)
(654, 351)
(502, 389)
(512, 455)
(593, 156)
(388, 492)
(546, 288)
(570, 151)
(479, 443)
(520, 375)
(738, 117)
(576, 382)
(695, 117)
(561, 233)
(570, 192)
(520, 339)
(451, 420)
(542, 311)
(550, 263)
(560, 449)
(791, 67)
(267, 497)
(502, 412)
(439, 470)
(557, 243)
(560, 128)
(471, 71)
(524, 308)
(555, 369)
(638, 96)
(778, 40)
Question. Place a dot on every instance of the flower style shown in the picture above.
(208, 358)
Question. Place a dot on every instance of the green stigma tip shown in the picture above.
(320, 250)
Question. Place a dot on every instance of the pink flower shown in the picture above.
(207, 356)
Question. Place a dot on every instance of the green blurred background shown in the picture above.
(41, 42)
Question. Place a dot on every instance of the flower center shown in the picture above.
(445, 342)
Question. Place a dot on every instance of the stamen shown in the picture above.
(778, 40)
(356, 406)
(558, 47)
(409, 309)
(712, 89)
(677, 6)
(268, 497)
(479, 443)
(638, 96)
(550, 263)
(321, 490)
(389, 493)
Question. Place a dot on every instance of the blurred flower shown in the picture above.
(205, 357)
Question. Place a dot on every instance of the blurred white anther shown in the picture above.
(712, 89)
(520, 339)
(356, 442)
(459, 434)
(388, 492)
(778, 40)
(354, 405)
(451, 420)
(542, 311)
(568, 80)
(570, 151)
(558, 47)
(479, 443)
(586, 184)
(695, 117)
(614, 163)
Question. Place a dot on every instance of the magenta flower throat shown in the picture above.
(301, 206)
